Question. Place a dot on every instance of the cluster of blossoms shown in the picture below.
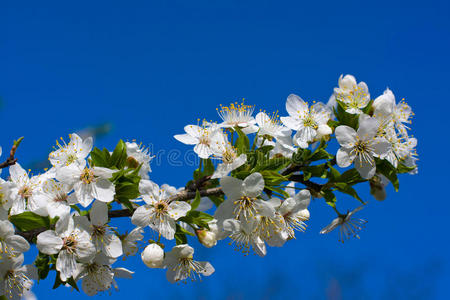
(261, 190)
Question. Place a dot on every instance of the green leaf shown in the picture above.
(180, 236)
(28, 221)
(320, 154)
(99, 159)
(242, 143)
(72, 283)
(333, 174)
(330, 198)
(42, 264)
(208, 167)
(401, 168)
(273, 164)
(384, 167)
(119, 155)
(344, 117)
(272, 178)
(345, 188)
(196, 202)
(217, 200)
(351, 177)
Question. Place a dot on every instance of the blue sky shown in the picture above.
(151, 67)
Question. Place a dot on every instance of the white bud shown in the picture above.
(304, 214)
(207, 238)
(153, 256)
(323, 130)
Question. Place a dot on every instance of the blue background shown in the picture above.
(150, 67)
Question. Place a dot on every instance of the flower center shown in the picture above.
(161, 207)
(308, 121)
(87, 176)
(189, 268)
(70, 159)
(15, 283)
(245, 206)
(26, 192)
(69, 244)
(228, 156)
(62, 197)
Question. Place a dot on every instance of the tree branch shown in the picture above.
(181, 196)
(11, 160)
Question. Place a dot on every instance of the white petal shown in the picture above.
(344, 157)
(368, 128)
(345, 135)
(365, 169)
(186, 139)
(295, 105)
(112, 246)
(99, 213)
(178, 209)
(104, 190)
(141, 216)
(232, 187)
(253, 185)
(18, 243)
(49, 242)
(381, 147)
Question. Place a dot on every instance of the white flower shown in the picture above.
(401, 149)
(244, 236)
(385, 107)
(158, 212)
(24, 190)
(242, 201)
(305, 120)
(348, 225)
(5, 194)
(284, 145)
(361, 146)
(354, 96)
(69, 242)
(203, 137)
(230, 159)
(207, 238)
(98, 275)
(11, 245)
(16, 279)
(102, 235)
(88, 183)
(129, 242)
(295, 210)
(181, 265)
(269, 125)
(75, 151)
(153, 256)
(238, 115)
(56, 195)
(272, 229)
(142, 156)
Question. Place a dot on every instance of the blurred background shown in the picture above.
(144, 69)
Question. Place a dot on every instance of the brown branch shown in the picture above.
(11, 160)
(181, 196)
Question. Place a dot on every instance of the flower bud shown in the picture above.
(377, 188)
(303, 214)
(207, 238)
(323, 131)
(153, 256)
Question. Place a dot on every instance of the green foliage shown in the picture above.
(242, 143)
(384, 167)
(28, 221)
(42, 264)
(116, 160)
(344, 117)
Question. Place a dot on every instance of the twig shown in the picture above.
(181, 196)
(11, 160)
